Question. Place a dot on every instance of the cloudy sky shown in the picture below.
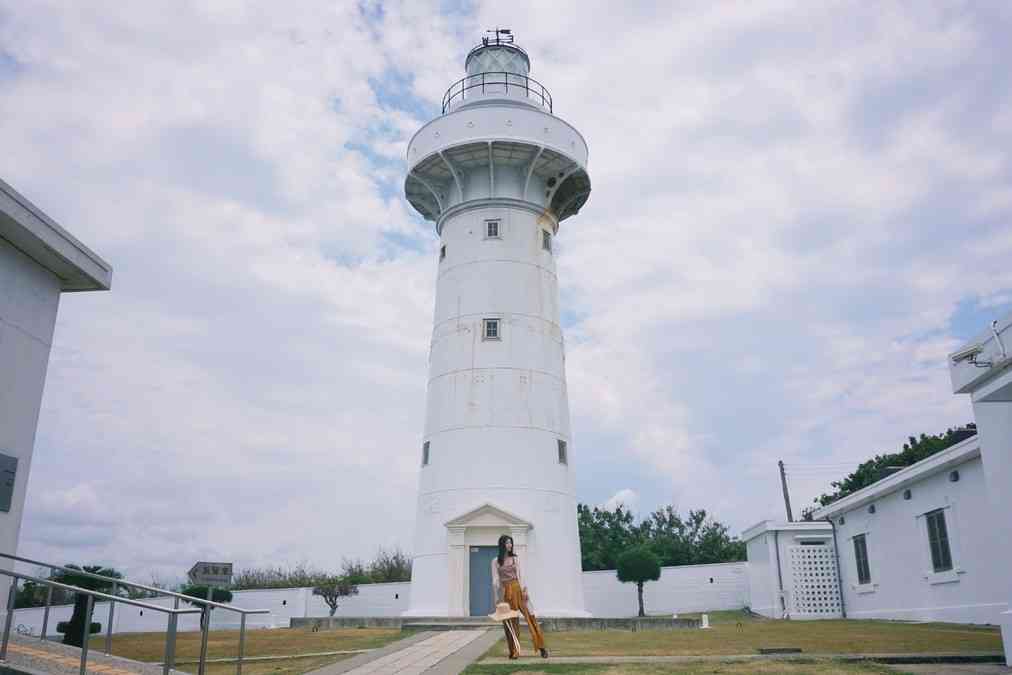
(799, 209)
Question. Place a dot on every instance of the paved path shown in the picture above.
(442, 653)
(34, 655)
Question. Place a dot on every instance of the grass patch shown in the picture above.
(726, 637)
(789, 668)
(225, 643)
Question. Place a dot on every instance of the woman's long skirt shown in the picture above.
(514, 595)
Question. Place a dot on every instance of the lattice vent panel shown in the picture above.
(816, 592)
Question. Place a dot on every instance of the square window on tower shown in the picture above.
(546, 240)
(492, 229)
(491, 329)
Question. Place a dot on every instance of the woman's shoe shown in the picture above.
(544, 653)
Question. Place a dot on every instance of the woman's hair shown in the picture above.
(502, 548)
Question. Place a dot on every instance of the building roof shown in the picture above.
(801, 526)
(32, 232)
(970, 371)
(959, 453)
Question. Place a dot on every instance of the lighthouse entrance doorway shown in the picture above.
(481, 579)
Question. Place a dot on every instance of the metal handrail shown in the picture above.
(170, 633)
(133, 584)
(532, 88)
(205, 622)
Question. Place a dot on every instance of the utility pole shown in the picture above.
(787, 497)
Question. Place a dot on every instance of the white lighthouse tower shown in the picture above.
(497, 172)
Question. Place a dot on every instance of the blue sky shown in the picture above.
(799, 210)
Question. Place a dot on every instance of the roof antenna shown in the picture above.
(503, 36)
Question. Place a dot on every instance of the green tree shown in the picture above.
(390, 566)
(200, 592)
(604, 535)
(638, 565)
(332, 588)
(695, 539)
(355, 571)
(30, 594)
(877, 468)
(73, 629)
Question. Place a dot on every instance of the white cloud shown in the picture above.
(790, 202)
(627, 498)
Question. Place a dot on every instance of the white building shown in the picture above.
(497, 173)
(39, 260)
(792, 570)
(983, 370)
(931, 542)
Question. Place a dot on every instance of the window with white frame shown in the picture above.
(490, 329)
(425, 453)
(492, 229)
(563, 456)
(546, 240)
(861, 558)
(442, 252)
(938, 540)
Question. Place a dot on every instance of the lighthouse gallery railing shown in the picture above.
(496, 83)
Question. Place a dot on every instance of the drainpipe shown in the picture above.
(780, 576)
(839, 577)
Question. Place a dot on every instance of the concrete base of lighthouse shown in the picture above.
(441, 584)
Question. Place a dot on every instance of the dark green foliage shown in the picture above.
(881, 466)
(75, 627)
(638, 565)
(299, 576)
(222, 595)
(30, 594)
(62, 626)
(388, 566)
(332, 587)
(697, 539)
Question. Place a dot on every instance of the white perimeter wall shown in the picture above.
(680, 589)
(903, 585)
(688, 588)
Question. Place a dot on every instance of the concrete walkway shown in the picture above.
(442, 653)
(32, 655)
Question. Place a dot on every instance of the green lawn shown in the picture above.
(737, 633)
(225, 643)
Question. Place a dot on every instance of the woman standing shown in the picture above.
(507, 584)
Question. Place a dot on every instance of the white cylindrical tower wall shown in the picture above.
(497, 175)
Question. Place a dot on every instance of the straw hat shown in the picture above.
(503, 612)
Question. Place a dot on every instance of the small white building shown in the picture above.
(792, 570)
(39, 260)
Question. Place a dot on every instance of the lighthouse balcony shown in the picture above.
(496, 86)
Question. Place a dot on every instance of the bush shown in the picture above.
(200, 592)
(63, 626)
(638, 565)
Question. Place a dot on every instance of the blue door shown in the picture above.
(481, 579)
